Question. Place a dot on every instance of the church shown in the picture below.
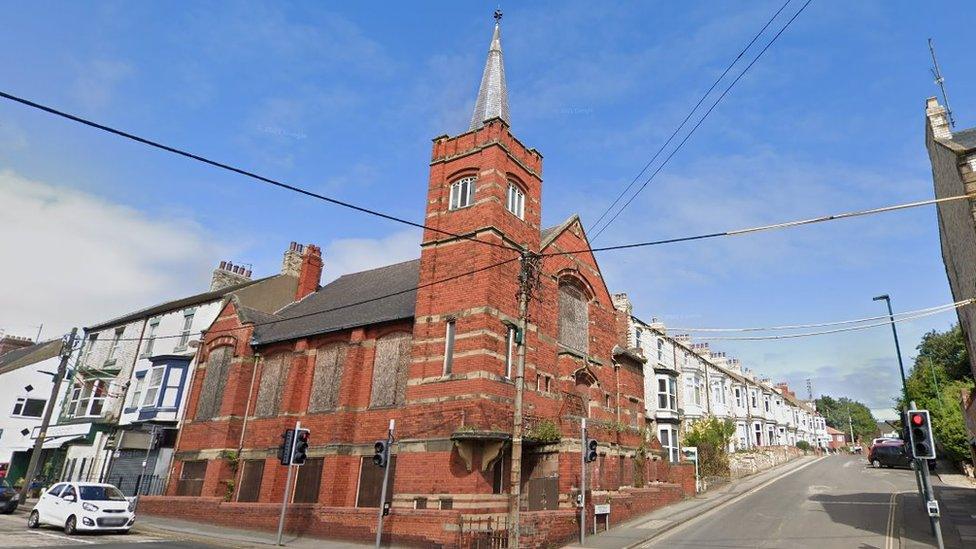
(433, 344)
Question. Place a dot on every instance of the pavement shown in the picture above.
(831, 502)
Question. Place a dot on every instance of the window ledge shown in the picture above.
(108, 363)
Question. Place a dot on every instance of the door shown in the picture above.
(48, 502)
(63, 508)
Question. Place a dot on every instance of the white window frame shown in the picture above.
(669, 395)
(87, 351)
(462, 193)
(187, 328)
(668, 437)
(151, 337)
(137, 391)
(450, 332)
(114, 346)
(75, 396)
(637, 338)
(738, 397)
(660, 350)
(152, 389)
(516, 200)
(22, 402)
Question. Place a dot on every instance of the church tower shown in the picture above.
(483, 206)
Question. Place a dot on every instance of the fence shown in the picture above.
(487, 532)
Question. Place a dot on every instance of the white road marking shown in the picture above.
(65, 538)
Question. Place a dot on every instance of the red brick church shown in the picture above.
(346, 358)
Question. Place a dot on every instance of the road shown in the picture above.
(837, 502)
(14, 533)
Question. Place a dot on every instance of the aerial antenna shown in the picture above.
(941, 82)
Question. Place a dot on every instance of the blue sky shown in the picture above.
(344, 100)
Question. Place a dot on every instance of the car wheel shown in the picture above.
(34, 520)
(71, 525)
(876, 464)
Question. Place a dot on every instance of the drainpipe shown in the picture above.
(247, 411)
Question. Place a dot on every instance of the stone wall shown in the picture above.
(745, 463)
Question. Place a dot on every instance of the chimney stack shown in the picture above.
(11, 342)
(309, 271)
(292, 262)
(227, 274)
(938, 119)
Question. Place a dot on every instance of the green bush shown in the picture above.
(711, 436)
(803, 445)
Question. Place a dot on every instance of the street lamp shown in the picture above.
(894, 332)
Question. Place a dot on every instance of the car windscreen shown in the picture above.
(101, 493)
(4, 483)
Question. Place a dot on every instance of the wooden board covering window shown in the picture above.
(573, 317)
(191, 478)
(390, 365)
(251, 480)
(327, 378)
(309, 480)
(274, 375)
(371, 482)
(214, 382)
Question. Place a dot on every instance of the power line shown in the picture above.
(239, 171)
(690, 113)
(837, 330)
(333, 309)
(775, 226)
(936, 309)
(702, 119)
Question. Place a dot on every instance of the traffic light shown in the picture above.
(590, 449)
(300, 452)
(381, 455)
(920, 433)
(284, 451)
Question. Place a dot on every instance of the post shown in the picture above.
(145, 462)
(66, 349)
(528, 275)
(583, 481)
(284, 499)
(386, 478)
(930, 496)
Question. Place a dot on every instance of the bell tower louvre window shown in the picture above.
(462, 193)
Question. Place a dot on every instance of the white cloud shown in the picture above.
(350, 255)
(73, 259)
(96, 81)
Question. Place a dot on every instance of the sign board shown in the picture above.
(70, 430)
(933, 508)
(601, 509)
(690, 452)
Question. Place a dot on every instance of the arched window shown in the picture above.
(327, 377)
(274, 375)
(516, 200)
(574, 316)
(214, 382)
(462, 193)
(390, 365)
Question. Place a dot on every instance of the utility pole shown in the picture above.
(528, 281)
(850, 423)
(582, 501)
(291, 468)
(66, 349)
(145, 462)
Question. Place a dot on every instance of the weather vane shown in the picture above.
(498, 16)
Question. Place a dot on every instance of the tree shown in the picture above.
(937, 378)
(711, 436)
(837, 411)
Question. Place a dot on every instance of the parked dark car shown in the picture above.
(8, 497)
(895, 455)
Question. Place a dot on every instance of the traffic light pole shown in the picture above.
(582, 512)
(285, 498)
(930, 496)
(386, 479)
(66, 350)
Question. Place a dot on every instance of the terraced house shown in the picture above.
(432, 344)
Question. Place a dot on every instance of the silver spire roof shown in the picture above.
(493, 94)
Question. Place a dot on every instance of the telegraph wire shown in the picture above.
(775, 226)
(936, 309)
(240, 171)
(689, 115)
(836, 330)
(702, 119)
(333, 309)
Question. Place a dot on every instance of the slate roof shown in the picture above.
(174, 305)
(492, 99)
(550, 233)
(320, 313)
(965, 138)
(32, 354)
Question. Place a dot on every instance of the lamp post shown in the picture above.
(894, 332)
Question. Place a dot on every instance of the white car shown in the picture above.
(83, 506)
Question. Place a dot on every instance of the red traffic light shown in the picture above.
(303, 436)
(917, 419)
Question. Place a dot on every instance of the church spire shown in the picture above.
(492, 95)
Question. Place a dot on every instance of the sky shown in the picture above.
(344, 99)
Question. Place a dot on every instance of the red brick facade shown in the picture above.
(453, 424)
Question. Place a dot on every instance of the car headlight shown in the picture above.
(89, 507)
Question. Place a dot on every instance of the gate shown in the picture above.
(484, 532)
(543, 493)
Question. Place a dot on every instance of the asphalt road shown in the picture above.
(837, 502)
(14, 533)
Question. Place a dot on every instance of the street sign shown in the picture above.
(690, 452)
(933, 508)
(601, 509)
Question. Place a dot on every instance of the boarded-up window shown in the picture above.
(214, 382)
(191, 478)
(371, 482)
(309, 480)
(390, 367)
(574, 318)
(327, 378)
(273, 379)
(251, 480)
